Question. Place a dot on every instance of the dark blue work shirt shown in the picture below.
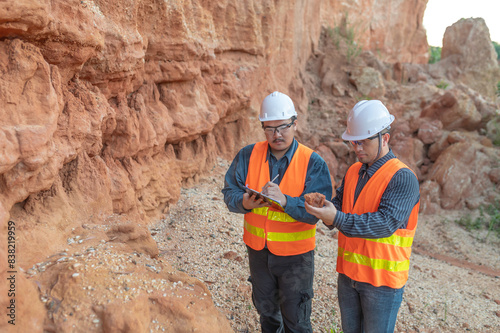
(317, 180)
(399, 198)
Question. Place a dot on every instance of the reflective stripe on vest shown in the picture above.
(283, 234)
(382, 261)
(393, 266)
(280, 236)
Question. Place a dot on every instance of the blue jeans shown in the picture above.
(366, 308)
(282, 290)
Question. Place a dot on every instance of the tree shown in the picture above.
(435, 54)
(497, 48)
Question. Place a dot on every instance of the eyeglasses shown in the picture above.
(281, 129)
(362, 142)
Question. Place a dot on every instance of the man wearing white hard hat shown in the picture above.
(280, 240)
(376, 211)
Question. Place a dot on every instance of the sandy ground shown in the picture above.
(454, 282)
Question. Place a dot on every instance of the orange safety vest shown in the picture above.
(284, 235)
(382, 261)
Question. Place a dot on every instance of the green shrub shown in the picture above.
(348, 33)
(488, 219)
(493, 130)
(334, 327)
(434, 54)
(442, 84)
(497, 49)
(493, 212)
(334, 34)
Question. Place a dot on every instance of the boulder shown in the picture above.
(368, 82)
(455, 110)
(470, 57)
(462, 172)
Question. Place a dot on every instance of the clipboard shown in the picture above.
(275, 203)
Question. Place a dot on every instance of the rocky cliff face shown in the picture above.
(109, 107)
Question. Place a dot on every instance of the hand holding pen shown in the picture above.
(273, 190)
(269, 183)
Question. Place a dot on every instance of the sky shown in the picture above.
(440, 14)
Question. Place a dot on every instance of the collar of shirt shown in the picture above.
(279, 167)
(375, 166)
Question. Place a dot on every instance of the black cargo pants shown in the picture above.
(282, 290)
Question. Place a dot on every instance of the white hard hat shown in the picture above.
(277, 106)
(366, 119)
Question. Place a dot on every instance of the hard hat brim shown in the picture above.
(277, 118)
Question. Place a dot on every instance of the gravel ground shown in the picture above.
(454, 282)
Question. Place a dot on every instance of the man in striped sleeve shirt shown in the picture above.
(376, 211)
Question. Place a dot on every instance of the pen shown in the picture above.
(276, 177)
